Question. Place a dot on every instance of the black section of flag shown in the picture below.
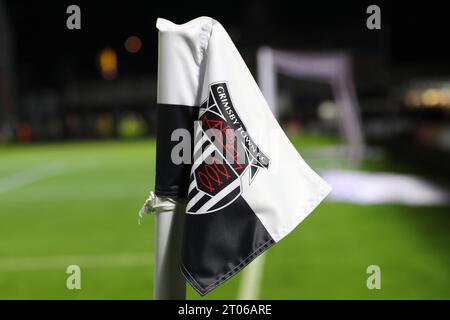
(172, 180)
(218, 245)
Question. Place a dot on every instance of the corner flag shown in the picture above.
(247, 186)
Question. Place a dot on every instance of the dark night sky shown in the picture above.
(48, 53)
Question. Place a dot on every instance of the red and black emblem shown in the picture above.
(223, 152)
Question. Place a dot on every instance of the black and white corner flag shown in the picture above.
(247, 186)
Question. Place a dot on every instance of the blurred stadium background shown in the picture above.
(77, 147)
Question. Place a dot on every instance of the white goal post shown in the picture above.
(331, 68)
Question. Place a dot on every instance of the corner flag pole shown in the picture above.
(169, 283)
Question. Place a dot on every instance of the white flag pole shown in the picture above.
(169, 283)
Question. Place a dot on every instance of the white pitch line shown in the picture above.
(84, 261)
(251, 279)
(43, 171)
(30, 175)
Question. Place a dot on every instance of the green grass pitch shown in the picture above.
(77, 203)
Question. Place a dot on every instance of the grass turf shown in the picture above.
(81, 199)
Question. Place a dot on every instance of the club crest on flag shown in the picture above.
(223, 152)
